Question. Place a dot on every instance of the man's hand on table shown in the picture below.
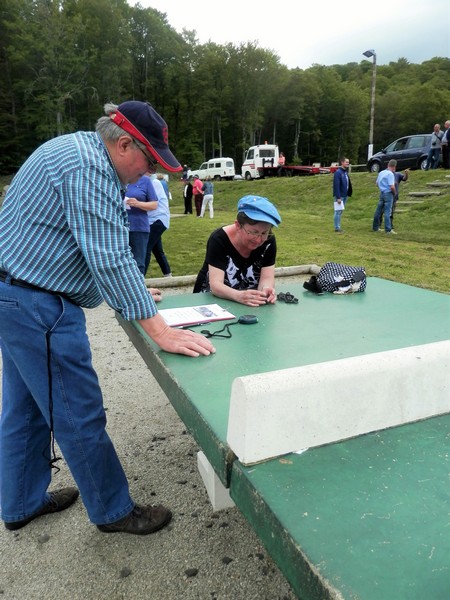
(177, 341)
(156, 294)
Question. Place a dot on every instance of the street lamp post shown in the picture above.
(371, 53)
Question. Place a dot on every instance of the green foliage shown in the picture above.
(61, 60)
(418, 255)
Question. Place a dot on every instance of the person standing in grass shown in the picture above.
(138, 198)
(208, 197)
(197, 189)
(187, 196)
(159, 219)
(434, 152)
(446, 146)
(386, 185)
(399, 177)
(342, 189)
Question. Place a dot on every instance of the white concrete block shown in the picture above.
(284, 411)
(218, 494)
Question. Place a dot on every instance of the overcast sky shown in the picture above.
(319, 32)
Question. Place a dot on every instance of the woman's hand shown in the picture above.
(135, 203)
(271, 296)
(253, 297)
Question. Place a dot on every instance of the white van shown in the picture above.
(216, 168)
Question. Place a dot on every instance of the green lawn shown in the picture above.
(418, 255)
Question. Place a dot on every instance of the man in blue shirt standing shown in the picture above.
(386, 185)
(64, 247)
(342, 189)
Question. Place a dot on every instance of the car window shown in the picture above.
(417, 141)
(203, 166)
(398, 145)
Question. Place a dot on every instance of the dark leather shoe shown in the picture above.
(142, 520)
(58, 501)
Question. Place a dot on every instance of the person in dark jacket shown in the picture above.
(342, 189)
(187, 195)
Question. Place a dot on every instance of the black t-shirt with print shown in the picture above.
(240, 273)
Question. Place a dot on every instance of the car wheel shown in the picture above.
(374, 167)
(423, 163)
(248, 176)
(217, 178)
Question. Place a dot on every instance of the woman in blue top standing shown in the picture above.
(137, 202)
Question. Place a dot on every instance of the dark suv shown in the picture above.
(410, 152)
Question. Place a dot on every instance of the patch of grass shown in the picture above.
(418, 255)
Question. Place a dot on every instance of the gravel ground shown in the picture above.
(201, 555)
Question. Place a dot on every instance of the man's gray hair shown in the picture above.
(392, 163)
(106, 127)
(109, 131)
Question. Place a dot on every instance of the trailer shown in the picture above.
(288, 171)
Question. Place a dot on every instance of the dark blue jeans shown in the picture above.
(138, 241)
(161, 258)
(48, 378)
(154, 242)
(433, 158)
(384, 206)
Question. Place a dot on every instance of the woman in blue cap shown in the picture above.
(240, 258)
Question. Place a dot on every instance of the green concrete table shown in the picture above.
(365, 519)
(307, 505)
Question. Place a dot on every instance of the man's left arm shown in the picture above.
(97, 219)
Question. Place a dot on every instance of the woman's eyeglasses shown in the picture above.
(257, 234)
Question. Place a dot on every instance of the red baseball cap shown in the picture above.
(141, 120)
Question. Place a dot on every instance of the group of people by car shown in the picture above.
(389, 179)
(440, 141)
(388, 182)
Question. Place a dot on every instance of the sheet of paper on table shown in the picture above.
(195, 315)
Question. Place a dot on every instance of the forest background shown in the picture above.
(61, 60)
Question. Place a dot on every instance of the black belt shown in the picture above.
(7, 278)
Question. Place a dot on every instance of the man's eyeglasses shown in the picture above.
(257, 234)
(151, 162)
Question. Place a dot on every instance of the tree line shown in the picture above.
(61, 60)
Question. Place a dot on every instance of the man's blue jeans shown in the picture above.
(338, 216)
(48, 374)
(384, 205)
(433, 158)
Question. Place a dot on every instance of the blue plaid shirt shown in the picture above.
(63, 227)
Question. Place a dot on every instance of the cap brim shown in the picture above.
(164, 157)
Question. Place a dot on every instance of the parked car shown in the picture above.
(410, 152)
